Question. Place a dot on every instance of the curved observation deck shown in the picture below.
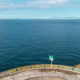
(42, 72)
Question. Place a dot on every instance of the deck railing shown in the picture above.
(41, 66)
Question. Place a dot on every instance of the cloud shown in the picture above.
(45, 3)
(34, 4)
(41, 4)
(11, 5)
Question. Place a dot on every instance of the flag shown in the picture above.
(51, 58)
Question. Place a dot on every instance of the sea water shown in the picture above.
(28, 42)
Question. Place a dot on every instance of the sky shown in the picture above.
(39, 9)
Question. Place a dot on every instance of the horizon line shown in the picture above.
(38, 19)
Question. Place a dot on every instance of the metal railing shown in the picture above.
(45, 66)
(41, 66)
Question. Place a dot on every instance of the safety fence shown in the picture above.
(45, 66)
(41, 66)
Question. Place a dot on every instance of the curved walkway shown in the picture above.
(26, 72)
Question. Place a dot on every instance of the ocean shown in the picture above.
(28, 42)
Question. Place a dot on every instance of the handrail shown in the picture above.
(40, 66)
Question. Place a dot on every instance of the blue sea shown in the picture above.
(27, 42)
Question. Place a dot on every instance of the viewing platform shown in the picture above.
(42, 72)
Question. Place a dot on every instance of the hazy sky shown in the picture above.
(39, 9)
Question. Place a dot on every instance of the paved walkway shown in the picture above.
(45, 78)
(59, 72)
(36, 73)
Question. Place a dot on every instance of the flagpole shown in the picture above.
(51, 63)
(51, 58)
